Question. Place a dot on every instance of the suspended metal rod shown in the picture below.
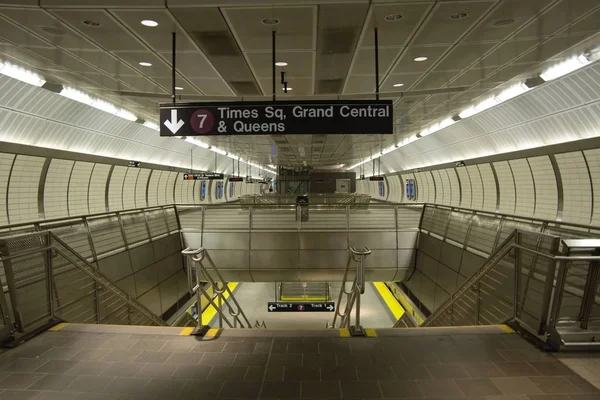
(273, 65)
(174, 66)
(376, 64)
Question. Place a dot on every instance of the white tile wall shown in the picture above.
(129, 187)
(454, 186)
(577, 191)
(140, 188)
(546, 193)
(115, 188)
(593, 161)
(78, 188)
(162, 187)
(395, 191)
(56, 188)
(6, 162)
(489, 187)
(476, 187)
(507, 187)
(189, 193)
(170, 189)
(465, 187)
(181, 188)
(97, 191)
(154, 196)
(422, 181)
(23, 189)
(524, 185)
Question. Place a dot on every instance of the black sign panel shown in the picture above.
(376, 178)
(281, 117)
(236, 179)
(275, 306)
(202, 176)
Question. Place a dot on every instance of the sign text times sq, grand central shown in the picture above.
(281, 117)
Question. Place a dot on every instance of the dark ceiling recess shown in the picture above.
(339, 41)
(245, 88)
(329, 86)
(217, 43)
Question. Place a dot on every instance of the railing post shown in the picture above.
(517, 276)
(589, 292)
(49, 274)
(548, 287)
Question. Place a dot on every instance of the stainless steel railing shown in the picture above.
(46, 280)
(542, 285)
(353, 295)
(197, 273)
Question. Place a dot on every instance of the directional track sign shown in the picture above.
(277, 117)
(277, 306)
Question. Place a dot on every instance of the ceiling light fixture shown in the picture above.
(281, 64)
(288, 89)
(151, 125)
(270, 21)
(564, 68)
(393, 17)
(420, 59)
(53, 31)
(21, 74)
(398, 84)
(93, 24)
(105, 106)
(149, 22)
(459, 15)
(178, 88)
(145, 64)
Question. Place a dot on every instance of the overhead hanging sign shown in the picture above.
(236, 179)
(280, 117)
(201, 176)
(276, 306)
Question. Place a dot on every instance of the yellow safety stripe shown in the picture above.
(407, 307)
(186, 331)
(506, 328)
(390, 300)
(209, 313)
(58, 327)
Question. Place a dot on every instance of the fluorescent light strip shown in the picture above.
(105, 106)
(21, 74)
(565, 67)
(151, 125)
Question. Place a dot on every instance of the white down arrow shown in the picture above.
(174, 125)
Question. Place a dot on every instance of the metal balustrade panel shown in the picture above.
(106, 234)
(277, 220)
(409, 217)
(134, 226)
(458, 226)
(171, 216)
(157, 223)
(439, 222)
(74, 233)
(326, 220)
(226, 219)
(483, 233)
(190, 218)
(374, 218)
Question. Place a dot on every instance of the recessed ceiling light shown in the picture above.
(270, 21)
(145, 64)
(150, 23)
(419, 59)
(53, 31)
(393, 17)
(91, 23)
(178, 88)
(289, 89)
(503, 22)
(281, 63)
(398, 84)
(459, 15)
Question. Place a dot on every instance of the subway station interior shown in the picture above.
(290, 199)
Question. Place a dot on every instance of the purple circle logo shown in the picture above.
(202, 121)
(300, 307)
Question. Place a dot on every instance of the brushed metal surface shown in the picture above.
(226, 241)
(373, 240)
(274, 240)
(323, 240)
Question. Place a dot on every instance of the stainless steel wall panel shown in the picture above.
(323, 240)
(323, 259)
(382, 259)
(373, 219)
(216, 219)
(326, 220)
(231, 259)
(409, 217)
(192, 239)
(226, 241)
(406, 258)
(190, 218)
(275, 240)
(407, 240)
(276, 275)
(166, 246)
(401, 274)
(146, 279)
(373, 240)
(451, 256)
(169, 266)
(116, 266)
(266, 259)
(274, 219)
(141, 256)
(151, 300)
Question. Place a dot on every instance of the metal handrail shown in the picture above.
(353, 295)
(219, 287)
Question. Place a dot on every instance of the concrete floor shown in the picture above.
(253, 297)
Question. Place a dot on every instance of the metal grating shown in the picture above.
(157, 223)
(134, 226)
(409, 217)
(483, 233)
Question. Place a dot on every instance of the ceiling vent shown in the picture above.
(220, 43)
(245, 88)
(329, 86)
(338, 41)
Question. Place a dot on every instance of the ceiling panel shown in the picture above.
(397, 32)
(462, 56)
(191, 64)
(364, 61)
(407, 61)
(12, 32)
(440, 28)
(110, 35)
(294, 32)
(300, 86)
(300, 63)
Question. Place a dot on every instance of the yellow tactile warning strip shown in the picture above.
(389, 299)
(344, 332)
(186, 331)
(58, 327)
(506, 328)
(407, 307)
(370, 332)
(209, 313)
(212, 332)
